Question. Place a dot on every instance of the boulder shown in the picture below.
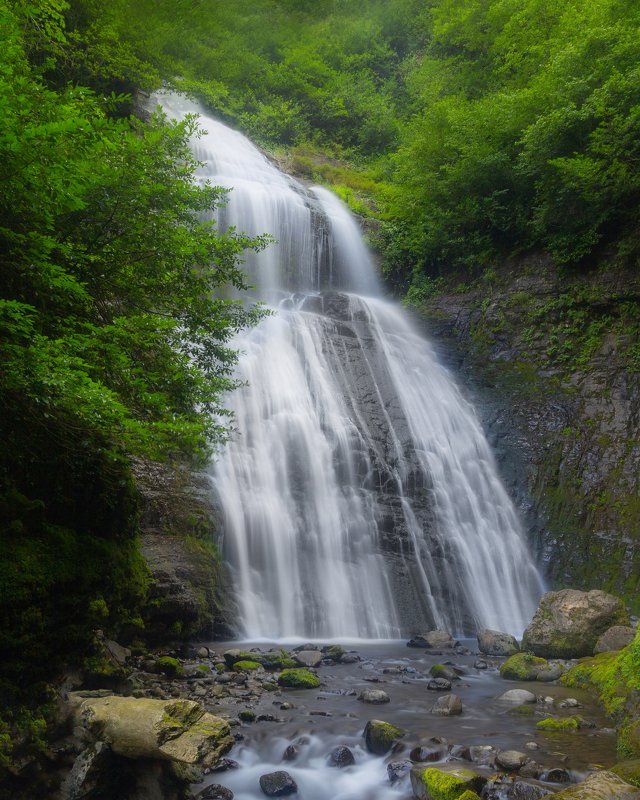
(278, 784)
(380, 736)
(396, 770)
(427, 753)
(600, 786)
(448, 705)
(551, 672)
(298, 679)
(374, 696)
(443, 671)
(433, 640)
(169, 730)
(215, 792)
(308, 658)
(495, 643)
(568, 623)
(523, 667)
(518, 697)
(615, 638)
(435, 783)
(341, 757)
(511, 760)
(439, 685)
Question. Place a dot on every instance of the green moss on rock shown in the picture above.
(523, 667)
(379, 736)
(559, 724)
(246, 665)
(450, 784)
(298, 679)
(171, 667)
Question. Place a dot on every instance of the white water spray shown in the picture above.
(359, 496)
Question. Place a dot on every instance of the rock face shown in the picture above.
(600, 786)
(175, 730)
(616, 638)
(569, 623)
(380, 736)
(495, 643)
(566, 428)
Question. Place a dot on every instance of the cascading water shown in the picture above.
(358, 497)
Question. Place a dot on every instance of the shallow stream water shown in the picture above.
(332, 715)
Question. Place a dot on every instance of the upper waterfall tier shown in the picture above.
(315, 248)
(358, 495)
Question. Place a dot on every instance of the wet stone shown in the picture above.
(439, 685)
(341, 757)
(278, 784)
(425, 753)
(396, 770)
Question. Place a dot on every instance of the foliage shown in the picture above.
(114, 336)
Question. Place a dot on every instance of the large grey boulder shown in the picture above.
(495, 643)
(568, 623)
(616, 638)
(600, 786)
(433, 640)
(166, 730)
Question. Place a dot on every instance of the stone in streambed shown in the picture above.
(518, 697)
(447, 781)
(298, 679)
(568, 623)
(341, 757)
(523, 667)
(278, 784)
(215, 792)
(495, 643)
(442, 671)
(396, 770)
(511, 760)
(308, 658)
(439, 685)
(380, 736)
(374, 696)
(600, 786)
(433, 640)
(426, 753)
(447, 706)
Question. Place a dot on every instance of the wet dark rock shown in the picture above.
(531, 769)
(268, 718)
(615, 638)
(433, 640)
(484, 755)
(350, 658)
(290, 753)
(425, 753)
(556, 775)
(480, 664)
(396, 770)
(341, 757)
(224, 764)
(215, 792)
(380, 736)
(439, 685)
(443, 671)
(278, 784)
(447, 706)
(460, 751)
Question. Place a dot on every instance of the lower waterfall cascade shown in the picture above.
(358, 496)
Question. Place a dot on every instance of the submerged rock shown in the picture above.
(380, 736)
(495, 643)
(278, 784)
(569, 623)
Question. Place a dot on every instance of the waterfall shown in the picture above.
(358, 495)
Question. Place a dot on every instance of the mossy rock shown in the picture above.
(603, 785)
(247, 715)
(440, 671)
(448, 783)
(559, 724)
(629, 771)
(334, 652)
(523, 710)
(247, 665)
(469, 795)
(169, 666)
(380, 736)
(523, 667)
(298, 679)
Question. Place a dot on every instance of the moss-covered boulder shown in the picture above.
(168, 730)
(448, 782)
(523, 667)
(629, 771)
(559, 724)
(600, 786)
(298, 679)
(169, 666)
(246, 666)
(568, 623)
(380, 736)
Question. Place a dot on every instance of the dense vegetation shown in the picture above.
(469, 128)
